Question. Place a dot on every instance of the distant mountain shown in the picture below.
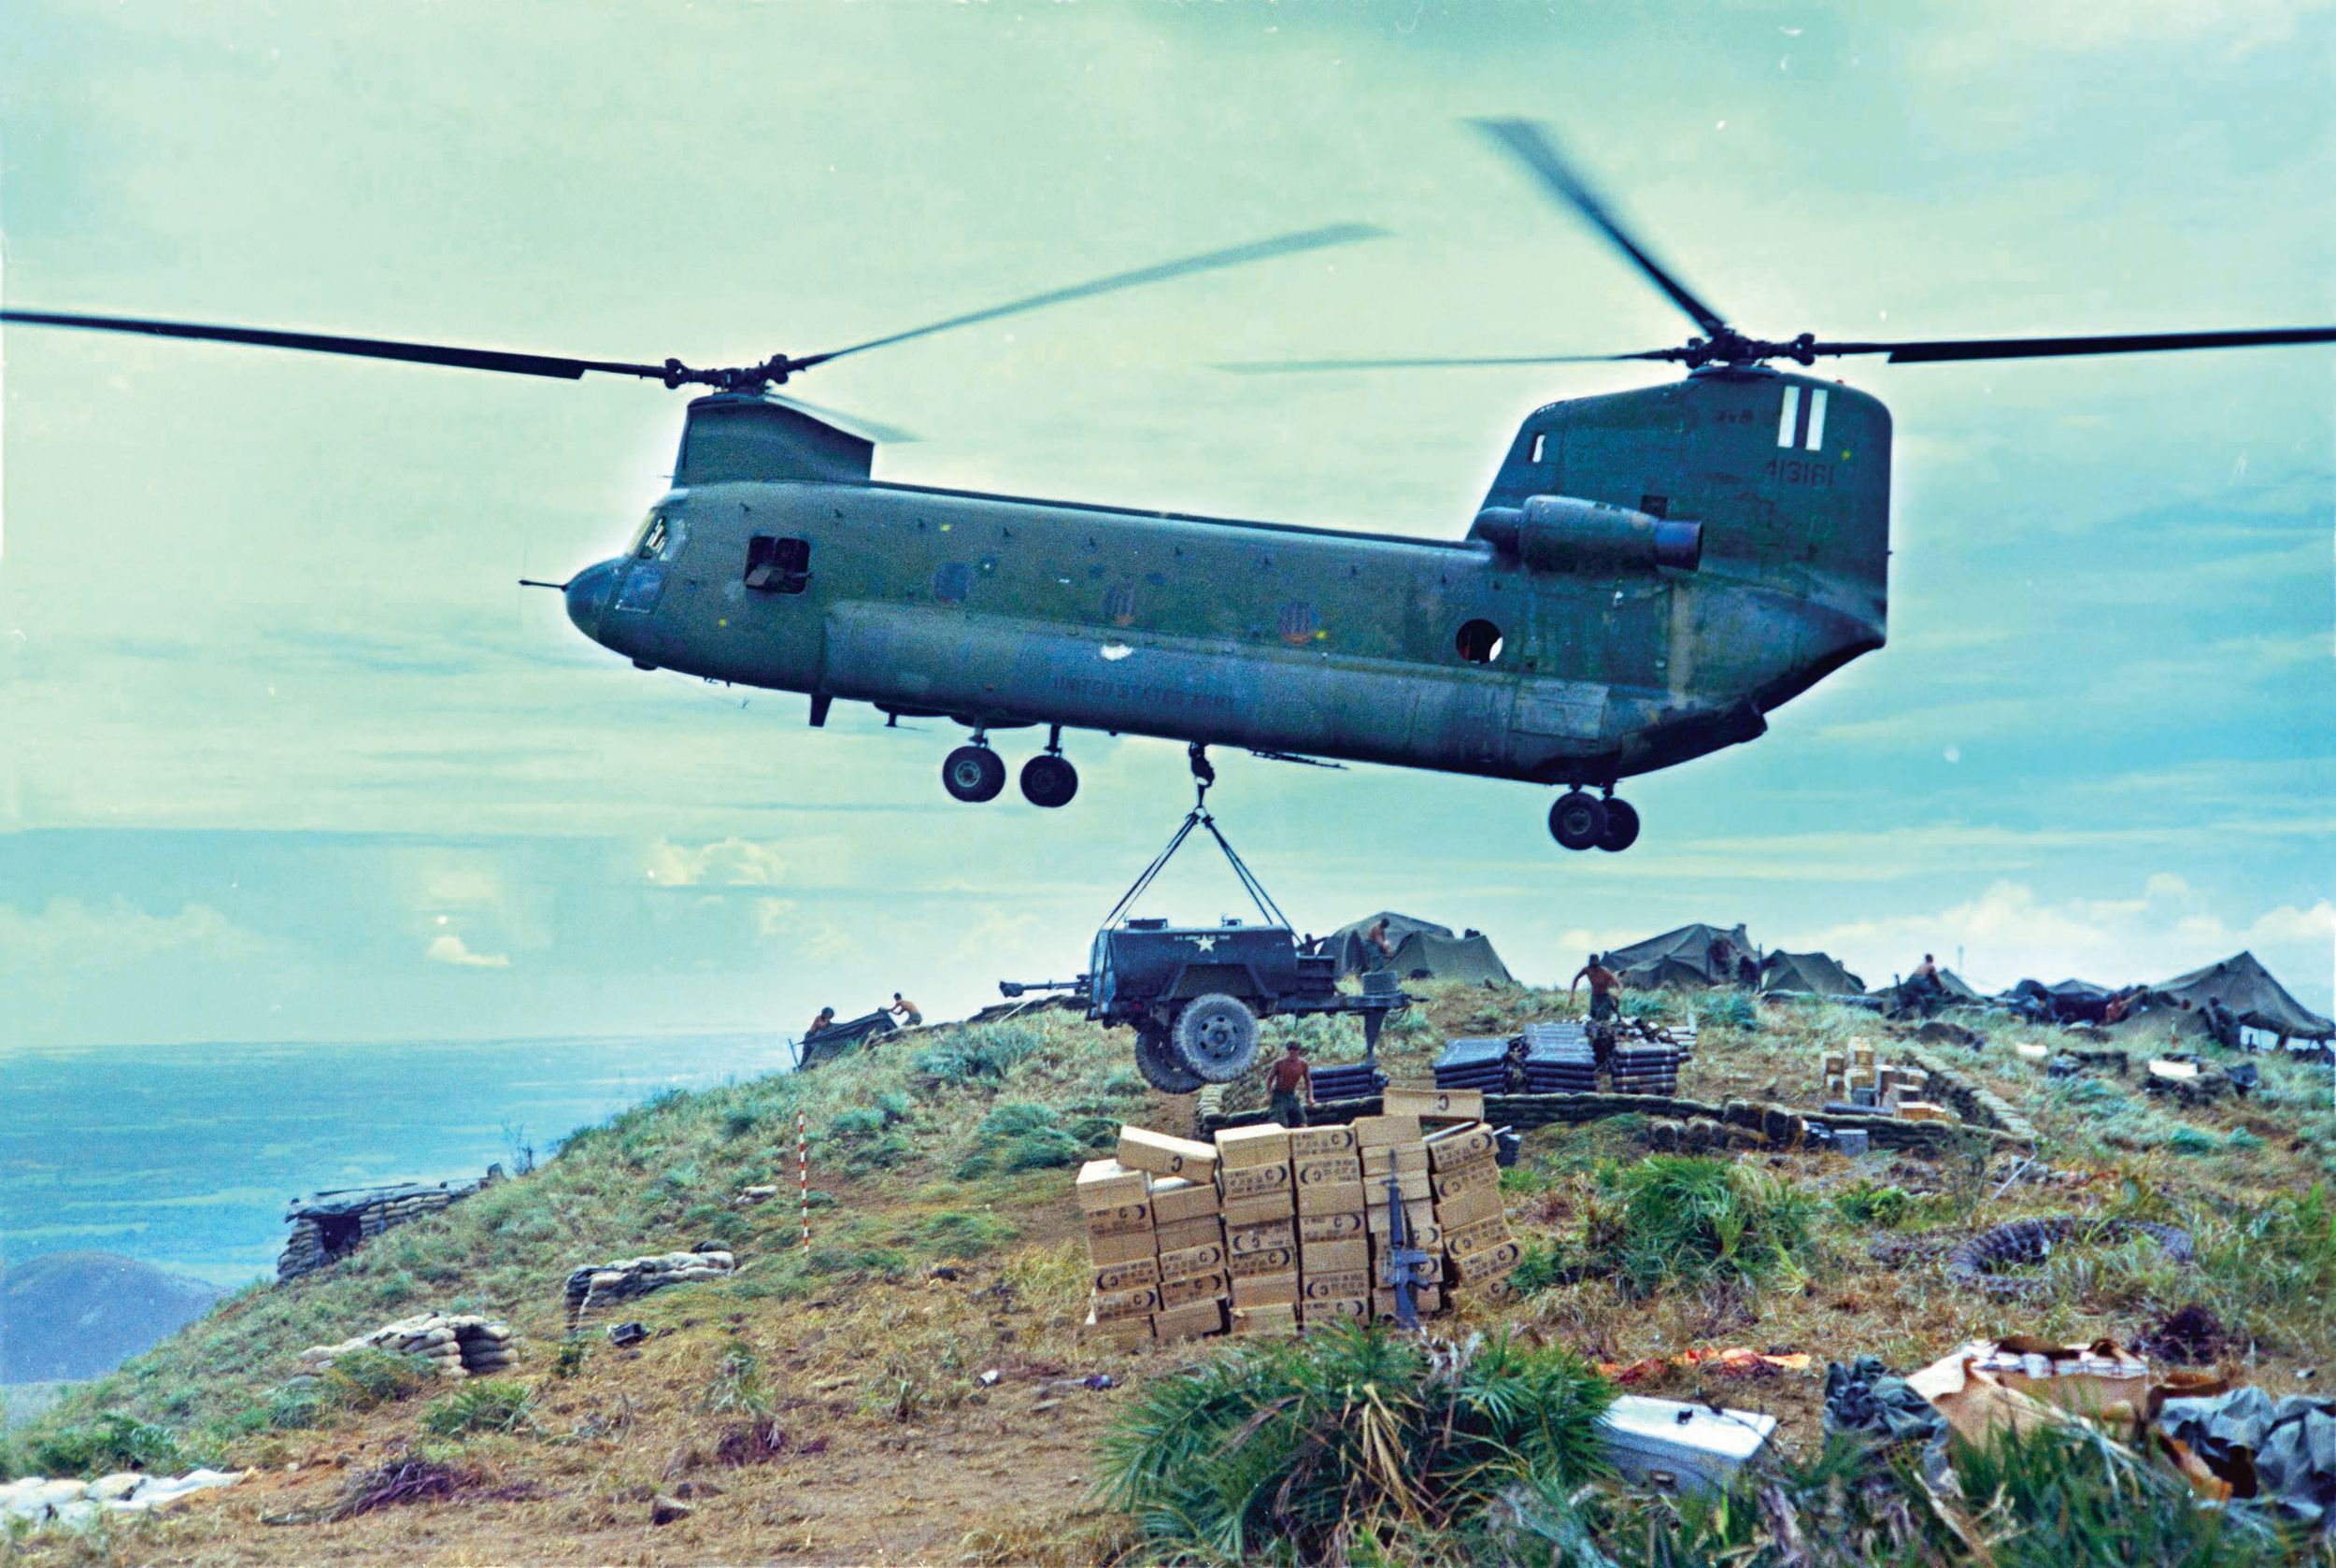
(71, 1314)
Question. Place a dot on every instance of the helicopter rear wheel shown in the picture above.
(1578, 819)
(1622, 827)
(972, 773)
(1050, 780)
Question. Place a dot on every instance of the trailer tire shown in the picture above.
(1215, 1036)
(1161, 1067)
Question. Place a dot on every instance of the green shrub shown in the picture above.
(1731, 1009)
(291, 1409)
(736, 1388)
(1867, 1203)
(1345, 1445)
(955, 1235)
(1540, 1265)
(491, 1405)
(365, 1378)
(110, 1442)
(859, 1121)
(979, 1051)
(2191, 1140)
(1681, 1219)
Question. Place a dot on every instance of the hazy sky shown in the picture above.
(287, 755)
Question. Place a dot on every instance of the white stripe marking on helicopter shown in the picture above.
(1788, 415)
(1816, 419)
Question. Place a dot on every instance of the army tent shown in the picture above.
(1784, 974)
(1958, 989)
(1424, 951)
(2255, 999)
(2069, 1002)
(1692, 957)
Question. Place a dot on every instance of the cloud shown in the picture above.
(447, 948)
(729, 863)
(68, 931)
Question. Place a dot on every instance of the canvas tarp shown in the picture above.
(1807, 974)
(1956, 986)
(2253, 997)
(1685, 958)
(1424, 951)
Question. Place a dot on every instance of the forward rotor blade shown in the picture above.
(361, 348)
(1276, 367)
(1531, 146)
(1943, 350)
(1238, 255)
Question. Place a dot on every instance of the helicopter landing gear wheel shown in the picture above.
(1578, 819)
(1215, 1036)
(972, 773)
(1156, 1059)
(1621, 826)
(1050, 780)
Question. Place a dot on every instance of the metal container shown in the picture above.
(1685, 1448)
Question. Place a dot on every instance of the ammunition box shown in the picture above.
(1314, 1228)
(1265, 1289)
(1177, 1199)
(1491, 1263)
(1124, 1246)
(1265, 1319)
(1272, 1259)
(1119, 1221)
(1250, 1212)
(1351, 1283)
(1333, 1257)
(1473, 1207)
(1379, 1132)
(1400, 1158)
(1345, 1309)
(1426, 1300)
(1130, 1275)
(1261, 1238)
(1465, 1145)
(1477, 1235)
(1186, 1233)
(1331, 1198)
(1326, 1170)
(1201, 1287)
(1191, 1321)
(1412, 1185)
(1252, 1181)
(1191, 1260)
(1107, 1184)
(1922, 1110)
(1120, 1331)
(1418, 1213)
(1108, 1305)
(1142, 1149)
(1309, 1143)
(1267, 1144)
(1464, 1178)
(1501, 1291)
(1430, 1104)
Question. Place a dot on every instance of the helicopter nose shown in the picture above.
(587, 597)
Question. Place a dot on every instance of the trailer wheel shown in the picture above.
(1161, 1067)
(1215, 1036)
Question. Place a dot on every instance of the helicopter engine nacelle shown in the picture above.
(1565, 534)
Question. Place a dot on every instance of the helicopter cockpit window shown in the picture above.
(1540, 448)
(776, 565)
(1479, 642)
(653, 538)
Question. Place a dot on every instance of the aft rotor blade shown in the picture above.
(1532, 147)
(851, 424)
(1276, 367)
(1238, 255)
(1945, 351)
(456, 358)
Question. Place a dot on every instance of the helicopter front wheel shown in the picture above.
(1578, 819)
(972, 773)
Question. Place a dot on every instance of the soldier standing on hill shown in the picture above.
(904, 1010)
(1603, 983)
(1377, 936)
(1293, 1085)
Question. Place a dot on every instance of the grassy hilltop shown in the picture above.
(839, 1405)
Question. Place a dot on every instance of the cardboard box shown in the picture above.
(1265, 1289)
(1331, 1198)
(1314, 1228)
(1472, 1177)
(1266, 1143)
(1310, 1142)
(1186, 1233)
(1426, 1300)
(1326, 1170)
(1120, 1221)
(1108, 1305)
(1164, 1155)
(1418, 1215)
(1431, 1103)
(1124, 1331)
(1451, 1146)
(1177, 1199)
(1378, 1132)
(1265, 1319)
(1193, 1320)
(1271, 1260)
(1200, 1287)
(1351, 1284)
(1922, 1110)
(1345, 1309)
(1124, 1246)
(1258, 1238)
(1130, 1276)
(1409, 1158)
(1252, 1181)
(1490, 1264)
(1208, 1258)
(1334, 1257)
(1479, 1235)
(1414, 1187)
(1463, 1209)
(1249, 1213)
(1107, 1184)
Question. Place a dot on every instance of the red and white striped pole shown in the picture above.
(803, 1176)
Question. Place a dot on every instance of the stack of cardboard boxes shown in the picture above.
(1334, 1248)
(1188, 1231)
(1855, 1077)
(1123, 1251)
(1261, 1205)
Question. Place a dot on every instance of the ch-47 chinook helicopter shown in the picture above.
(1649, 574)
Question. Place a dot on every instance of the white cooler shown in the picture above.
(1670, 1447)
